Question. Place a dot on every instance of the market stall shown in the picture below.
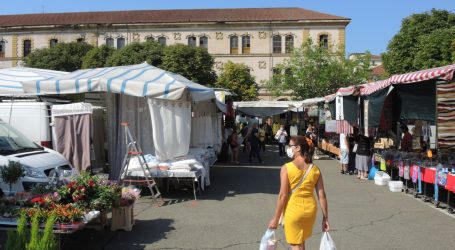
(11, 79)
(423, 101)
(159, 106)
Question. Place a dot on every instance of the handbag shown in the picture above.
(281, 221)
(354, 150)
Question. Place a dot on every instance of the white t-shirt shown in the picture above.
(343, 142)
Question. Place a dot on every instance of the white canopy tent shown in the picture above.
(11, 79)
(165, 129)
(141, 80)
(266, 108)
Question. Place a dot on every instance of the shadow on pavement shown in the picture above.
(144, 232)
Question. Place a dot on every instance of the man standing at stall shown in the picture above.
(344, 153)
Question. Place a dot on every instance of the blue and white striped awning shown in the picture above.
(142, 80)
(11, 79)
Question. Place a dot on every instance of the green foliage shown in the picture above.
(11, 173)
(313, 71)
(33, 244)
(422, 42)
(16, 240)
(136, 53)
(63, 56)
(194, 63)
(97, 57)
(48, 241)
(237, 78)
(435, 49)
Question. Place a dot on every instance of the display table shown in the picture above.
(326, 146)
(194, 176)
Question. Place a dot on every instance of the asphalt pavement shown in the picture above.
(234, 211)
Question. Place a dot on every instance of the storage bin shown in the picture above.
(122, 218)
(395, 186)
(381, 178)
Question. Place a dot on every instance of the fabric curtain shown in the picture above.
(375, 103)
(73, 139)
(206, 126)
(171, 122)
(98, 134)
(135, 111)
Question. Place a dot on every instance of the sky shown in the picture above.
(373, 23)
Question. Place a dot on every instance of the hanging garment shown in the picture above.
(73, 139)
(293, 130)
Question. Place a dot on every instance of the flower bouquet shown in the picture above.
(129, 196)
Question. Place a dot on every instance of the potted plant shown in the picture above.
(11, 173)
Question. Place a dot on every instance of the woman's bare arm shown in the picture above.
(283, 197)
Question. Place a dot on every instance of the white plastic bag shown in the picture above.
(327, 242)
(268, 241)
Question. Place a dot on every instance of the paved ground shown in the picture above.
(234, 212)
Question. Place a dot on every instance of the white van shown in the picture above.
(41, 165)
(30, 117)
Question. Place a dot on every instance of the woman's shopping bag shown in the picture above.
(268, 241)
(327, 242)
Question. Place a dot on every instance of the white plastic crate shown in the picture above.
(395, 186)
(381, 178)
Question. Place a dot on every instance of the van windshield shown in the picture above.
(13, 141)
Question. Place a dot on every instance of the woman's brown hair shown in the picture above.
(305, 150)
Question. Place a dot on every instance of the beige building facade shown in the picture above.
(259, 38)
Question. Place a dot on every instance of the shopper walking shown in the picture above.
(363, 156)
(296, 200)
(234, 143)
(262, 137)
(253, 140)
(344, 153)
(281, 135)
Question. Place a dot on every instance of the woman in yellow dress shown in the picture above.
(296, 197)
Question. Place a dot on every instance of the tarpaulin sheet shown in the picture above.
(417, 101)
(375, 104)
(351, 109)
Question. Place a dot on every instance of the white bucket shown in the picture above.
(381, 178)
(395, 186)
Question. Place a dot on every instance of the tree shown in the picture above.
(416, 45)
(136, 53)
(97, 57)
(313, 71)
(63, 56)
(237, 78)
(194, 63)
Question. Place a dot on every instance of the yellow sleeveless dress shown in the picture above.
(301, 209)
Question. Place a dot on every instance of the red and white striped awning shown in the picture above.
(340, 92)
(442, 73)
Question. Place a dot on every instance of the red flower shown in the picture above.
(91, 183)
(38, 200)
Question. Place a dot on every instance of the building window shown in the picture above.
(246, 45)
(234, 44)
(52, 43)
(162, 40)
(2, 49)
(289, 44)
(120, 42)
(80, 40)
(150, 39)
(192, 41)
(276, 44)
(204, 42)
(324, 41)
(27, 47)
(110, 42)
